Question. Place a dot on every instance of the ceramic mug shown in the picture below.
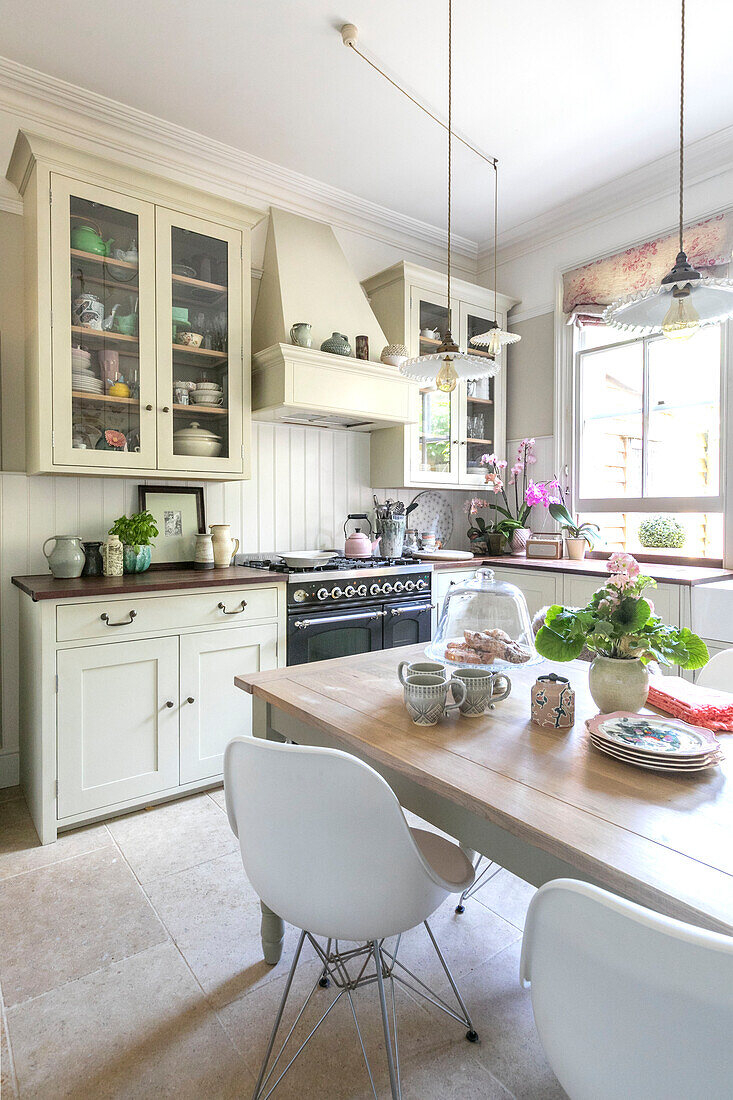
(414, 668)
(481, 690)
(300, 334)
(426, 697)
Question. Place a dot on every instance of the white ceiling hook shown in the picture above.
(349, 34)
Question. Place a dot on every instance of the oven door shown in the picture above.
(314, 637)
(407, 623)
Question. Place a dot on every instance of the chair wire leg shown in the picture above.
(325, 981)
(490, 871)
(471, 1034)
(393, 1078)
(279, 1015)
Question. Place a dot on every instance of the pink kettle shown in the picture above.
(359, 545)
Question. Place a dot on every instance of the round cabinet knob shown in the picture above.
(190, 699)
(349, 592)
(374, 590)
(336, 593)
(300, 595)
(322, 593)
(361, 590)
(166, 409)
(399, 586)
(422, 584)
(170, 704)
(386, 588)
(409, 586)
(149, 408)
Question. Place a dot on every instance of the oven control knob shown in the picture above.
(362, 590)
(374, 590)
(336, 593)
(399, 586)
(349, 592)
(322, 593)
(409, 586)
(300, 595)
(421, 584)
(386, 588)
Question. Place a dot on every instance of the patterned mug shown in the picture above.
(426, 697)
(414, 668)
(482, 690)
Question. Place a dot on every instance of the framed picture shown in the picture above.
(180, 516)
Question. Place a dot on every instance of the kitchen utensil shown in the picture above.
(553, 702)
(208, 398)
(88, 237)
(305, 559)
(300, 334)
(206, 386)
(196, 441)
(392, 536)
(426, 697)
(189, 339)
(225, 547)
(417, 668)
(204, 553)
(67, 557)
(358, 545)
(483, 689)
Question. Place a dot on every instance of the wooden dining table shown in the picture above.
(543, 803)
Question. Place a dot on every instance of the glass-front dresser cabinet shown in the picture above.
(138, 311)
(451, 430)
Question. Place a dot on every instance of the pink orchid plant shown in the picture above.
(518, 491)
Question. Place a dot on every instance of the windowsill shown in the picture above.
(670, 558)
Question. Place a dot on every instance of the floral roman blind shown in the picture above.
(589, 289)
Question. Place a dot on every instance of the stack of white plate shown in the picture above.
(86, 381)
(654, 742)
(206, 393)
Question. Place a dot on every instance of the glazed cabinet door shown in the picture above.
(103, 328)
(434, 449)
(213, 710)
(481, 402)
(200, 345)
(117, 717)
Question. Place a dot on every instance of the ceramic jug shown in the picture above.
(67, 557)
(224, 546)
(203, 557)
(300, 334)
(337, 344)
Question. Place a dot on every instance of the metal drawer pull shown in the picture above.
(236, 611)
(125, 622)
(303, 623)
(412, 607)
(170, 704)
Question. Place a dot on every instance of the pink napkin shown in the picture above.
(699, 706)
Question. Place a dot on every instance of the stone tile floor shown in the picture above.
(130, 966)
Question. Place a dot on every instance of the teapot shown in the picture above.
(359, 545)
(88, 238)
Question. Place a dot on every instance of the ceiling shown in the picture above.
(567, 95)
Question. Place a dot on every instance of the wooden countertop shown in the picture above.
(593, 567)
(42, 586)
(661, 840)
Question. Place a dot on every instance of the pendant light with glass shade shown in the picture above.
(448, 366)
(685, 300)
(496, 338)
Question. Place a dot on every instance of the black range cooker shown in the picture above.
(354, 605)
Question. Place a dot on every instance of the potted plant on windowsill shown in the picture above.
(578, 536)
(136, 533)
(619, 626)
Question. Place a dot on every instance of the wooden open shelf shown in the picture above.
(199, 291)
(103, 398)
(480, 400)
(489, 441)
(98, 336)
(203, 410)
(104, 261)
(201, 353)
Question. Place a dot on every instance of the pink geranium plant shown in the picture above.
(518, 494)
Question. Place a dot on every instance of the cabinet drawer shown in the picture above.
(139, 616)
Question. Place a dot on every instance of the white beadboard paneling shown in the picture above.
(304, 483)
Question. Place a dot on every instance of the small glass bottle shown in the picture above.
(113, 556)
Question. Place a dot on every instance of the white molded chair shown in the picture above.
(628, 1003)
(718, 672)
(326, 846)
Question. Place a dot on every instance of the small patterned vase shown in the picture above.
(136, 561)
(553, 702)
(337, 344)
(520, 538)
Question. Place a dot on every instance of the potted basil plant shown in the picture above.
(578, 536)
(620, 627)
(136, 533)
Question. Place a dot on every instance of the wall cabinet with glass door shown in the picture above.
(138, 314)
(451, 431)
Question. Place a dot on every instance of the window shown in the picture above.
(647, 436)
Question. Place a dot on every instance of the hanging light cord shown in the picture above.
(450, 136)
(682, 121)
(496, 228)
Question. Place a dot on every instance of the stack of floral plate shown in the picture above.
(654, 742)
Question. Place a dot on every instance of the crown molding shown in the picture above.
(704, 159)
(517, 316)
(112, 129)
(11, 206)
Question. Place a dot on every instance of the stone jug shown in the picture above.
(67, 557)
(224, 546)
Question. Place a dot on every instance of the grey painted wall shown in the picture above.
(530, 371)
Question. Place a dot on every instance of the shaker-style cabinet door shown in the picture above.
(435, 450)
(103, 328)
(481, 402)
(117, 723)
(200, 345)
(213, 710)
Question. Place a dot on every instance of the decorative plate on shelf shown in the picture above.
(433, 516)
(652, 735)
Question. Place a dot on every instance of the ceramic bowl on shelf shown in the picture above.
(189, 339)
(196, 441)
(206, 386)
(394, 354)
(208, 398)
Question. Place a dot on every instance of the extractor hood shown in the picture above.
(307, 278)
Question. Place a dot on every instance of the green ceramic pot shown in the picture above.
(337, 344)
(136, 562)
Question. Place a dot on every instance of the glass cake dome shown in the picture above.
(485, 623)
